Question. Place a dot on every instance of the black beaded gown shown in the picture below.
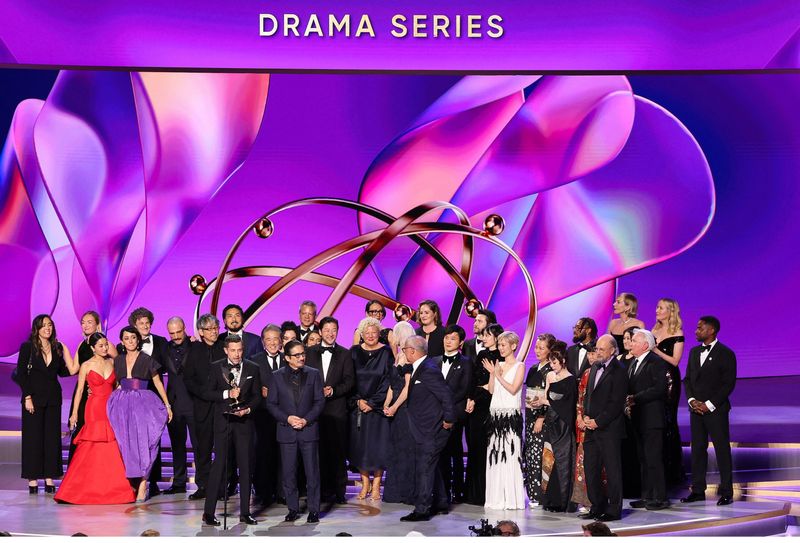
(533, 450)
(559, 430)
(84, 353)
(369, 432)
(478, 430)
(673, 453)
(400, 474)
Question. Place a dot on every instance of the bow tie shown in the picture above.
(449, 359)
(478, 341)
(584, 347)
(326, 349)
(235, 367)
(602, 367)
(146, 340)
(705, 347)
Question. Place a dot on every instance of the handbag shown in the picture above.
(15, 374)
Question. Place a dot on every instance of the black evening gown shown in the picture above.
(435, 340)
(620, 343)
(400, 474)
(84, 353)
(478, 430)
(631, 472)
(370, 439)
(533, 449)
(673, 453)
(559, 429)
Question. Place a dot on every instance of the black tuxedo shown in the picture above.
(232, 430)
(604, 402)
(451, 463)
(266, 474)
(182, 423)
(333, 437)
(304, 333)
(574, 364)
(647, 383)
(302, 398)
(430, 403)
(195, 377)
(713, 382)
(252, 343)
(470, 349)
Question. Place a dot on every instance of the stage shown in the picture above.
(22, 514)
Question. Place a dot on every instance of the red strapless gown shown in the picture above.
(96, 474)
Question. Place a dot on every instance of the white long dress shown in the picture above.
(504, 484)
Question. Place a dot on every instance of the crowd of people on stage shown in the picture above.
(288, 412)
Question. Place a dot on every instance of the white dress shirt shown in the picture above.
(326, 361)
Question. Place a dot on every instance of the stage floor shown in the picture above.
(22, 514)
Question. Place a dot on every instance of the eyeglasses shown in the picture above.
(297, 355)
(210, 328)
(375, 312)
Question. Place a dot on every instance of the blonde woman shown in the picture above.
(668, 332)
(626, 307)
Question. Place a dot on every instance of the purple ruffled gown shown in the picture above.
(137, 415)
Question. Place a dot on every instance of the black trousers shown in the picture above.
(203, 445)
(603, 452)
(716, 426)
(650, 448)
(182, 424)
(239, 437)
(451, 463)
(266, 473)
(41, 442)
(309, 451)
(430, 484)
(332, 453)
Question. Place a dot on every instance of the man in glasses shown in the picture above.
(296, 401)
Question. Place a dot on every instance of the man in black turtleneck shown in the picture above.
(195, 375)
(584, 337)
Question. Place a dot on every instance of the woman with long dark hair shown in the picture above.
(42, 359)
(478, 416)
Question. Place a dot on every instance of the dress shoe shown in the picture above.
(638, 504)
(724, 501)
(49, 489)
(233, 489)
(247, 519)
(153, 491)
(553, 509)
(291, 516)
(588, 516)
(605, 517)
(199, 494)
(440, 511)
(175, 490)
(693, 497)
(210, 520)
(313, 518)
(341, 499)
(33, 489)
(415, 517)
(656, 505)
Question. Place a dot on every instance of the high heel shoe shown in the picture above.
(365, 489)
(49, 489)
(33, 489)
(375, 494)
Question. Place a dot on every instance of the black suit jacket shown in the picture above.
(177, 393)
(573, 356)
(605, 402)
(430, 401)
(264, 367)
(715, 381)
(648, 385)
(470, 349)
(459, 381)
(281, 404)
(341, 376)
(218, 383)
(41, 383)
(196, 374)
(252, 343)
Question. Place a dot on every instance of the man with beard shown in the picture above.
(584, 336)
(474, 346)
(234, 320)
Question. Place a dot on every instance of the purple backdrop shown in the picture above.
(678, 186)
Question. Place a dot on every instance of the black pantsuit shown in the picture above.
(41, 430)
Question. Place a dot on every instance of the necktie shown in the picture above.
(273, 362)
(146, 340)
